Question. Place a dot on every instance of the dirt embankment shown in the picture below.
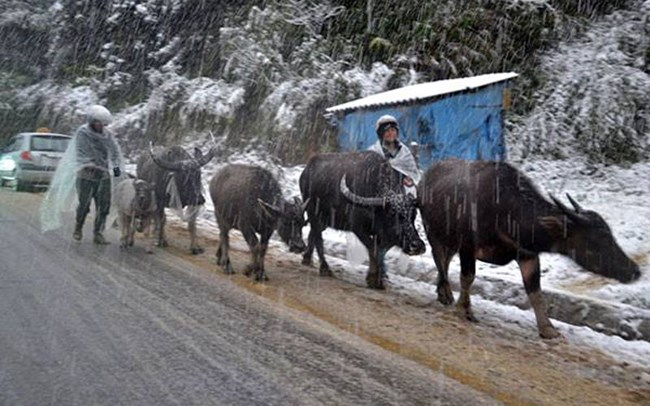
(507, 362)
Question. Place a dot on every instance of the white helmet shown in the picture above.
(383, 120)
(99, 113)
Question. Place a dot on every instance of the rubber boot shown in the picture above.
(77, 232)
(100, 222)
(99, 239)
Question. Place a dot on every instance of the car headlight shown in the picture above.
(7, 165)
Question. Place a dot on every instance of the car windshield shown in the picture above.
(49, 143)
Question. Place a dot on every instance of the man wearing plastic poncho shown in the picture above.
(397, 153)
(90, 168)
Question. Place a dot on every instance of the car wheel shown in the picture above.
(17, 186)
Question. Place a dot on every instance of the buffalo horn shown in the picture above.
(574, 203)
(303, 207)
(204, 159)
(572, 214)
(270, 208)
(360, 200)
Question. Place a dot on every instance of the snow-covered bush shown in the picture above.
(595, 97)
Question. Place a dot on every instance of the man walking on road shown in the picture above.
(96, 151)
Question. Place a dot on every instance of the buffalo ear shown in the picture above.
(271, 210)
(553, 225)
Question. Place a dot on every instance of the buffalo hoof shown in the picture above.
(548, 332)
(261, 277)
(467, 314)
(248, 270)
(375, 283)
(227, 269)
(297, 249)
(197, 250)
(307, 261)
(445, 296)
(324, 270)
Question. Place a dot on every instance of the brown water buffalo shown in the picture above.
(177, 176)
(490, 211)
(362, 193)
(249, 199)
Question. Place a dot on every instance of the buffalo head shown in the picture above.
(589, 241)
(144, 200)
(399, 212)
(291, 220)
(186, 171)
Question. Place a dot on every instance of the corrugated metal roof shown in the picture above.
(423, 91)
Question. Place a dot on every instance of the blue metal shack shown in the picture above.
(460, 118)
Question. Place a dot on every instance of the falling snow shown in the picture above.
(586, 133)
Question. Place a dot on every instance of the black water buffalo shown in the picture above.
(250, 200)
(177, 176)
(362, 193)
(492, 212)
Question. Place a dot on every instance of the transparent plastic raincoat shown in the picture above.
(81, 153)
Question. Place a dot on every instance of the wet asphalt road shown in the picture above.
(92, 325)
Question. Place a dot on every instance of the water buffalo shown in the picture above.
(136, 207)
(362, 193)
(177, 176)
(492, 212)
(249, 199)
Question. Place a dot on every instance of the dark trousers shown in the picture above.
(98, 190)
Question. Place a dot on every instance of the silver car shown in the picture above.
(30, 159)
